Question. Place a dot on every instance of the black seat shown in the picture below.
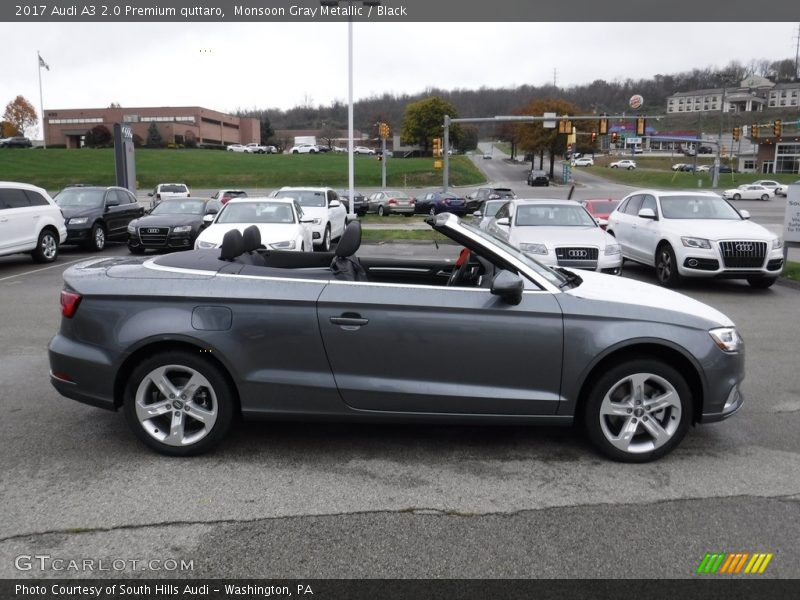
(251, 237)
(344, 265)
(232, 245)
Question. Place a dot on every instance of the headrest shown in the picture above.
(350, 240)
(232, 245)
(252, 238)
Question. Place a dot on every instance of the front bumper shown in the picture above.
(611, 263)
(172, 241)
(709, 262)
(77, 234)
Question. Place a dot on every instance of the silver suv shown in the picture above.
(30, 222)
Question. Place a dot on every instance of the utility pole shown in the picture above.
(797, 55)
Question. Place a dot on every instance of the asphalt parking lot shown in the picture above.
(360, 501)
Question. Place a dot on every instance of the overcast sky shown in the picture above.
(225, 66)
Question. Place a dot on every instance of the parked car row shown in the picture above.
(17, 141)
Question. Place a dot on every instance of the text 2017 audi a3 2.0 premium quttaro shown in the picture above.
(185, 341)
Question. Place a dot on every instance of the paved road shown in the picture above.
(339, 500)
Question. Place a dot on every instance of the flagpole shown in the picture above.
(41, 101)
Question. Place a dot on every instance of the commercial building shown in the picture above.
(753, 94)
(175, 124)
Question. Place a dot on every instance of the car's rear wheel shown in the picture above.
(737, 196)
(667, 266)
(178, 403)
(46, 247)
(761, 283)
(295, 152)
(638, 411)
(97, 238)
(630, 168)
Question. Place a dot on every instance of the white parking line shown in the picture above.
(43, 269)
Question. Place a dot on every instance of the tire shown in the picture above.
(136, 250)
(638, 411)
(630, 168)
(613, 166)
(97, 238)
(326, 241)
(149, 412)
(761, 283)
(46, 247)
(432, 211)
(408, 215)
(765, 197)
(381, 211)
(295, 152)
(667, 266)
(737, 196)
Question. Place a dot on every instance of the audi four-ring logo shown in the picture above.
(744, 247)
(152, 231)
(577, 253)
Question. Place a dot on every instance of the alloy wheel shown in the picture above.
(49, 247)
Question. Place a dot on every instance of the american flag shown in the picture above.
(43, 64)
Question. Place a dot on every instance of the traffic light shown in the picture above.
(641, 126)
(437, 146)
(602, 126)
(754, 130)
(736, 134)
(383, 130)
(614, 136)
(565, 126)
(594, 137)
(777, 128)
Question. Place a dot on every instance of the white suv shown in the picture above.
(30, 221)
(323, 205)
(625, 163)
(695, 234)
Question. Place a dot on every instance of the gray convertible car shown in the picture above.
(184, 342)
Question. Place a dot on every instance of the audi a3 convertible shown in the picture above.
(182, 343)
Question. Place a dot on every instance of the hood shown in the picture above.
(612, 288)
(718, 229)
(79, 211)
(270, 232)
(316, 212)
(168, 220)
(561, 236)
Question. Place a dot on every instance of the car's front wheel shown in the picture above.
(179, 403)
(381, 211)
(46, 247)
(737, 196)
(667, 266)
(97, 238)
(325, 246)
(638, 411)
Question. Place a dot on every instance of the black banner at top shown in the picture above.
(322, 11)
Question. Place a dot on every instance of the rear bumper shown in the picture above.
(81, 372)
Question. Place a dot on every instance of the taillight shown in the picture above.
(392, 201)
(69, 303)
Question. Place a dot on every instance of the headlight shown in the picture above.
(612, 249)
(182, 229)
(533, 248)
(206, 244)
(288, 245)
(78, 220)
(777, 243)
(131, 228)
(727, 339)
(692, 242)
(317, 221)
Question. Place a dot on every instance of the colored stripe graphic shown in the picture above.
(725, 563)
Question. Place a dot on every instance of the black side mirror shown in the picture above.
(111, 203)
(508, 286)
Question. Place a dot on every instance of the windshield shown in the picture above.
(176, 207)
(697, 207)
(546, 272)
(553, 215)
(396, 194)
(173, 189)
(256, 212)
(604, 207)
(82, 198)
(305, 197)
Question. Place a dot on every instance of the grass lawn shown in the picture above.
(54, 168)
(394, 235)
(791, 271)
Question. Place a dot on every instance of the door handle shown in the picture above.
(349, 321)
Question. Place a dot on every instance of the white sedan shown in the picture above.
(239, 148)
(557, 233)
(281, 222)
(695, 234)
(583, 161)
(748, 191)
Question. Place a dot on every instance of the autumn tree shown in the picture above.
(7, 129)
(534, 138)
(423, 121)
(330, 135)
(20, 114)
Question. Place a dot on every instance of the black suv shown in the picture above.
(95, 214)
(488, 193)
(538, 177)
(15, 142)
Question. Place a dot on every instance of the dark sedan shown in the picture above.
(434, 203)
(172, 225)
(359, 201)
(185, 342)
(95, 215)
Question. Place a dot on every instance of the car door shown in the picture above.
(336, 214)
(502, 232)
(437, 349)
(625, 227)
(18, 220)
(646, 232)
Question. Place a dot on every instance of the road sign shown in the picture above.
(550, 120)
